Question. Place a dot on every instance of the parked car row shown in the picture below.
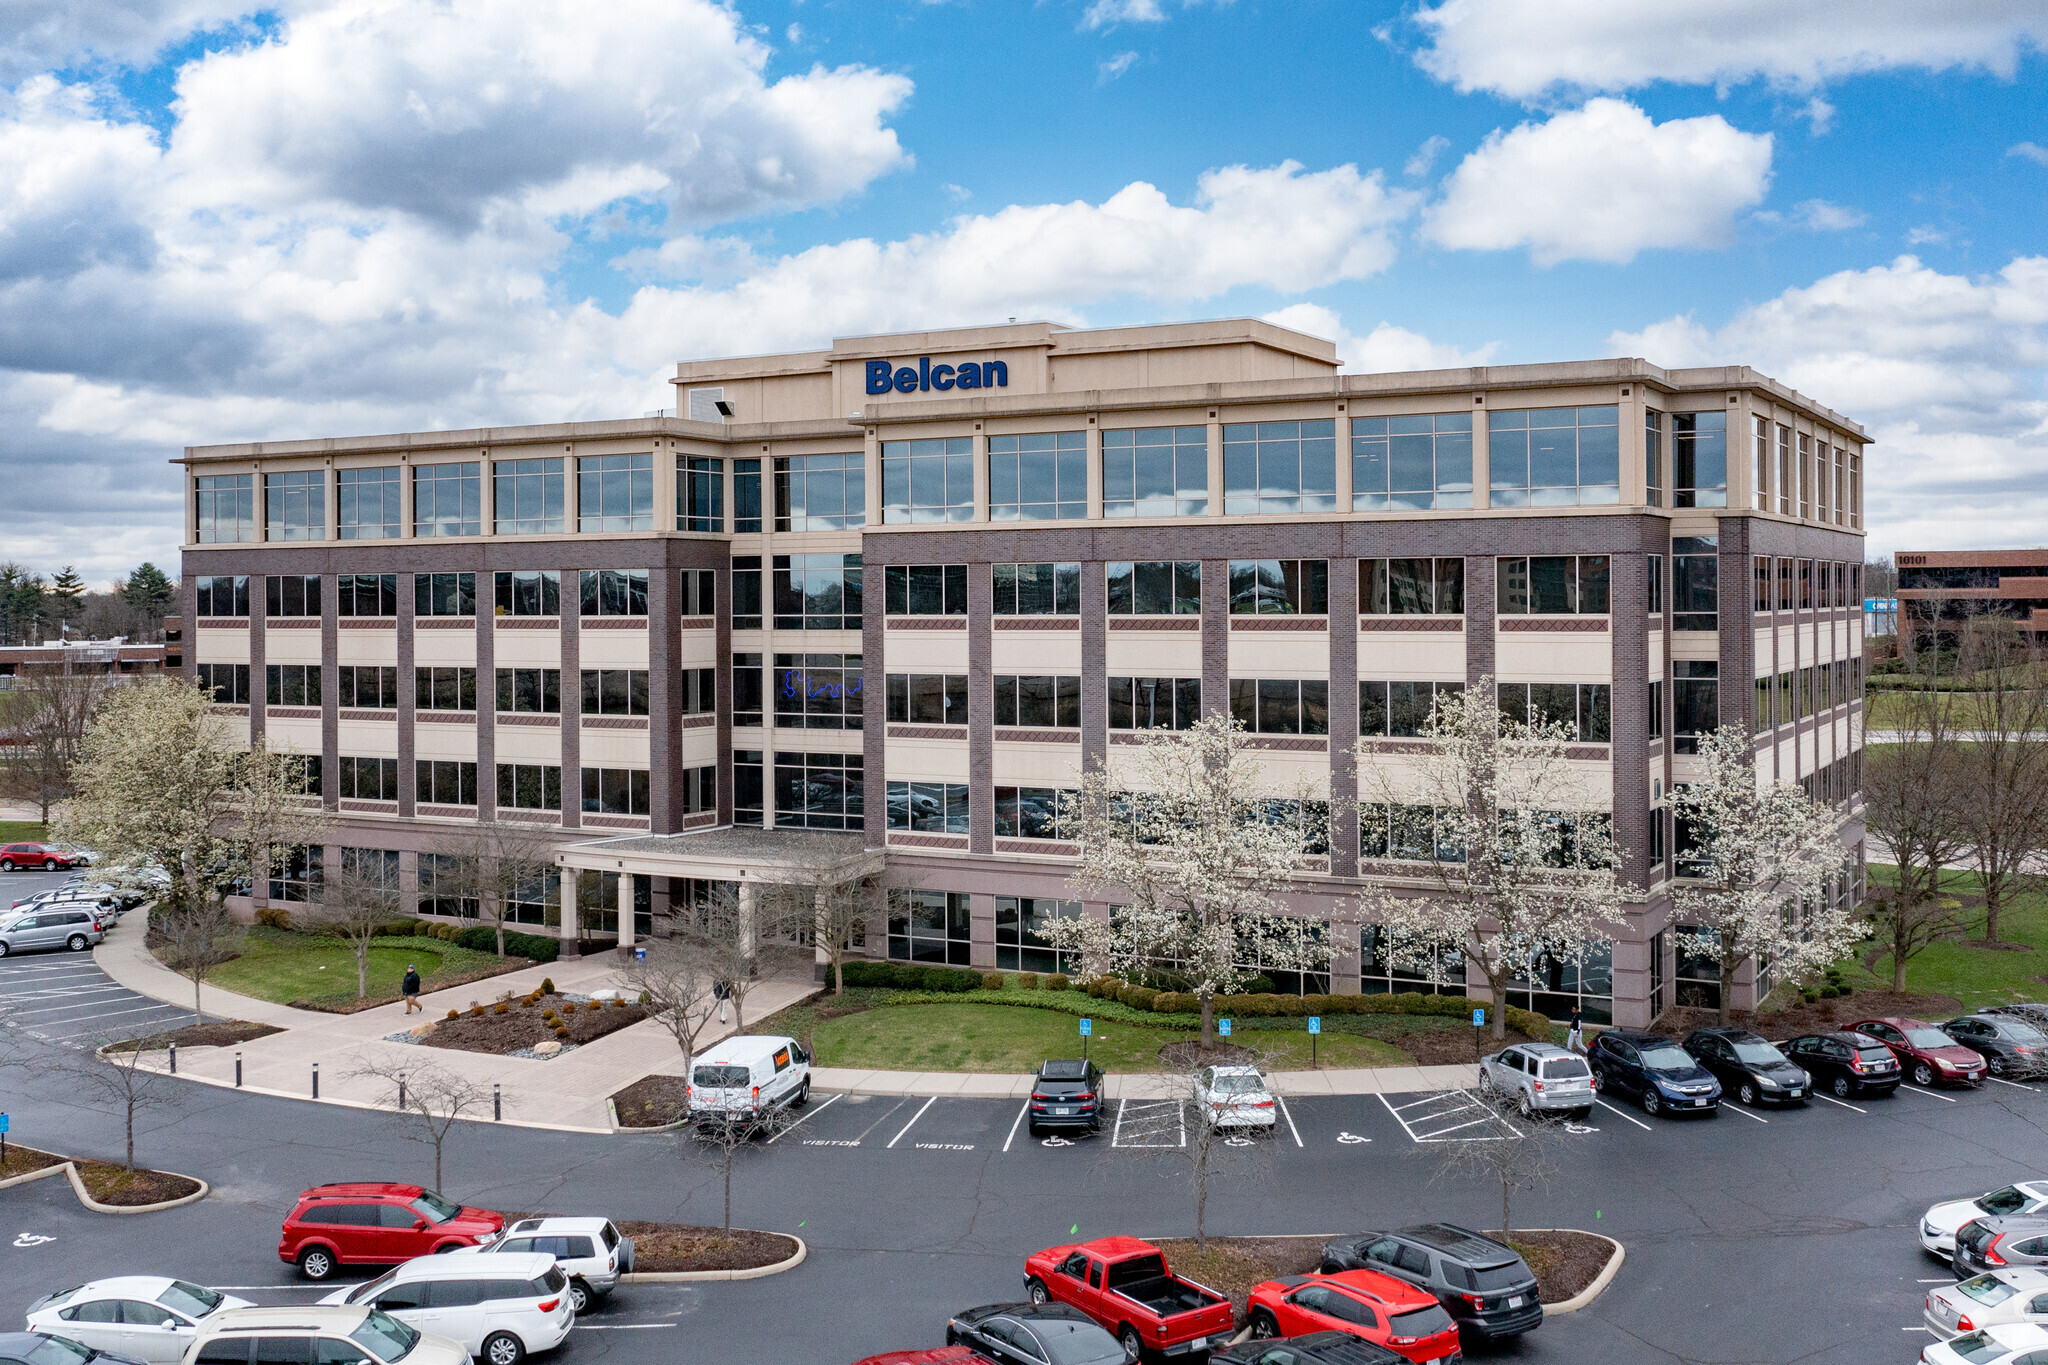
(1997, 1245)
(1405, 1297)
(40, 857)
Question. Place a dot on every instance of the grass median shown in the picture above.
(290, 968)
(1967, 968)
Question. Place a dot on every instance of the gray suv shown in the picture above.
(56, 927)
(1482, 1283)
(1540, 1078)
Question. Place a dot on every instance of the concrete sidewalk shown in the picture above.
(1386, 1080)
(566, 1092)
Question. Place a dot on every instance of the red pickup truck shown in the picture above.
(1124, 1284)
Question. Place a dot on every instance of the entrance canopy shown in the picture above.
(732, 854)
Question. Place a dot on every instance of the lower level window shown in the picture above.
(930, 926)
(441, 886)
(1586, 710)
(1558, 983)
(1032, 812)
(1699, 970)
(374, 867)
(367, 779)
(444, 689)
(442, 782)
(295, 873)
(1281, 706)
(292, 684)
(818, 791)
(699, 791)
(536, 902)
(615, 791)
(229, 683)
(1400, 709)
(749, 791)
(1040, 701)
(1418, 834)
(1390, 962)
(368, 685)
(1021, 944)
(928, 807)
(1154, 703)
(529, 786)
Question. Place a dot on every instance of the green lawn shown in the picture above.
(1977, 976)
(23, 832)
(1007, 1038)
(1885, 710)
(282, 966)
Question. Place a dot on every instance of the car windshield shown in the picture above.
(1758, 1053)
(2011, 1199)
(1239, 1085)
(434, 1208)
(365, 1292)
(1667, 1057)
(1423, 1322)
(1077, 1343)
(384, 1336)
(1874, 1052)
(1987, 1289)
(1929, 1037)
(193, 1300)
(56, 1351)
(721, 1077)
(1977, 1348)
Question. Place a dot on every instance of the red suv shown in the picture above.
(375, 1224)
(22, 857)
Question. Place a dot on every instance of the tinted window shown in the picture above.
(395, 1216)
(411, 1295)
(147, 1314)
(1413, 1260)
(1347, 1309)
(1879, 1053)
(1315, 1298)
(1563, 1068)
(2007, 1200)
(103, 1310)
(722, 1077)
(577, 1246)
(506, 1289)
(454, 1293)
(224, 1351)
(1498, 1276)
(513, 1244)
(283, 1351)
(1421, 1323)
(328, 1351)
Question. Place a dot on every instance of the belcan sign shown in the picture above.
(968, 374)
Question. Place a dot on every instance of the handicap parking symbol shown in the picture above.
(1348, 1138)
(32, 1239)
(1580, 1128)
(1054, 1142)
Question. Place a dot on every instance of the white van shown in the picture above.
(749, 1075)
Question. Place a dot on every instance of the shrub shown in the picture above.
(1141, 997)
(1058, 982)
(1175, 1002)
(568, 1007)
(398, 928)
(562, 1031)
(952, 979)
(270, 917)
(451, 1014)
(501, 1008)
(646, 998)
(547, 986)
(476, 1011)
(991, 981)
(1027, 981)
(1259, 985)
(619, 1003)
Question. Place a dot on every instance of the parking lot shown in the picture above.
(63, 998)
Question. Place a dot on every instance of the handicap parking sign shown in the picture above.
(1315, 1023)
(1223, 1027)
(1478, 1018)
(1087, 1027)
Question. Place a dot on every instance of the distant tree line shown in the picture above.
(34, 609)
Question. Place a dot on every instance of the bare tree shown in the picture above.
(491, 863)
(2002, 760)
(1186, 1145)
(1512, 1155)
(427, 1100)
(1913, 795)
(724, 1140)
(677, 983)
(194, 937)
(116, 1077)
(823, 899)
(355, 905)
(44, 717)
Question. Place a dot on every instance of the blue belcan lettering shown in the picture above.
(878, 376)
(924, 372)
(970, 376)
(996, 374)
(906, 380)
(967, 374)
(942, 377)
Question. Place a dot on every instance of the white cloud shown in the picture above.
(1818, 215)
(1425, 156)
(1926, 235)
(44, 35)
(1946, 371)
(1603, 183)
(1105, 72)
(2031, 151)
(1104, 14)
(1525, 51)
(1386, 349)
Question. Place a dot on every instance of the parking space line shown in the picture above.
(805, 1119)
(1736, 1108)
(1022, 1110)
(1838, 1102)
(1618, 1114)
(1288, 1114)
(2003, 1081)
(74, 1005)
(1116, 1135)
(1923, 1090)
(913, 1120)
(114, 1015)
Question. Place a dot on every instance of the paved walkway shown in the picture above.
(567, 1092)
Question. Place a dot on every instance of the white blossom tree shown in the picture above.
(1757, 855)
(1190, 834)
(1519, 871)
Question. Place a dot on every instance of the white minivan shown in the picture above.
(499, 1308)
(749, 1075)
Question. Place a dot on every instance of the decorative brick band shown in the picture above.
(372, 807)
(926, 623)
(614, 623)
(615, 722)
(1132, 736)
(448, 812)
(958, 732)
(1304, 744)
(1452, 624)
(529, 622)
(226, 623)
(615, 821)
(229, 710)
(927, 841)
(1038, 736)
(1396, 746)
(1050, 848)
(444, 623)
(697, 623)
(698, 722)
(1311, 623)
(1155, 623)
(283, 623)
(445, 717)
(292, 712)
(1589, 752)
(368, 623)
(701, 820)
(369, 715)
(1569, 625)
(531, 817)
(505, 718)
(1037, 622)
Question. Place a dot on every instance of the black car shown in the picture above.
(37, 1348)
(1033, 1334)
(1066, 1095)
(2009, 1044)
(1742, 1062)
(1654, 1072)
(1482, 1283)
(1316, 1348)
(1846, 1063)
(2027, 1011)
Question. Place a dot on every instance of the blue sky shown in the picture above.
(340, 216)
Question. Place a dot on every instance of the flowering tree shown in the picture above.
(1756, 852)
(1190, 832)
(1520, 872)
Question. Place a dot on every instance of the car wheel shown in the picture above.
(579, 1297)
(1264, 1328)
(1923, 1074)
(1133, 1344)
(3, 948)
(1031, 1129)
(1746, 1092)
(502, 1348)
(1485, 1082)
(803, 1094)
(1526, 1111)
(316, 1263)
(1843, 1089)
(51, 865)
(1036, 1292)
(1651, 1104)
(76, 943)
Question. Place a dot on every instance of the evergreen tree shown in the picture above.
(148, 592)
(66, 599)
(24, 605)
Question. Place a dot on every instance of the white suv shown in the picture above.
(590, 1251)
(498, 1309)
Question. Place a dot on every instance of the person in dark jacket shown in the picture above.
(410, 989)
(1576, 1039)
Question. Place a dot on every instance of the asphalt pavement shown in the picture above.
(63, 997)
(1777, 1236)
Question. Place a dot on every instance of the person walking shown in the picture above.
(410, 989)
(1576, 1039)
(723, 994)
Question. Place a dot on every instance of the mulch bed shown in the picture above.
(1819, 1017)
(1452, 1046)
(1564, 1262)
(521, 1026)
(108, 1182)
(213, 1033)
(651, 1101)
(659, 1247)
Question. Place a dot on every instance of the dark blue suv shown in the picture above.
(1654, 1071)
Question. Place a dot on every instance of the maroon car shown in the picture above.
(1925, 1053)
(46, 857)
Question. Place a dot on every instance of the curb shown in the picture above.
(1600, 1281)
(704, 1276)
(70, 1169)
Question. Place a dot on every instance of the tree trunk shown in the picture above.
(838, 975)
(728, 1186)
(501, 930)
(1728, 986)
(362, 969)
(1208, 998)
(1497, 982)
(131, 1130)
(1507, 1193)
(1994, 896)
(198, 1009)
(439, 1139)
(1202, 1196)
(1898, 967)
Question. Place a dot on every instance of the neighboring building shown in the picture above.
(908, 588)
(115, 657)
(1940, 589)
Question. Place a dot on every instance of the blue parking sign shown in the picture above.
(1087, 1027)
(1478, 1018)
(1315, 1023)
(1223, 1028)
(3, 1123)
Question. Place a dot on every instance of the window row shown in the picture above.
(1786, 584)
(1805, 475)
(1800, 693)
